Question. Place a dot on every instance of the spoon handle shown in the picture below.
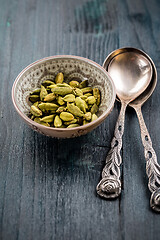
(110, 184)
(152, 166)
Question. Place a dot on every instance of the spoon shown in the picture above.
(131, 72)
(152, 166)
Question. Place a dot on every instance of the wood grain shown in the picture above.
(47, 186)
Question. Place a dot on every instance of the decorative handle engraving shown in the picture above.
(110, 185)
(152, 166)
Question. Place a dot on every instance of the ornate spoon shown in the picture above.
(152, 166)
(131, 72)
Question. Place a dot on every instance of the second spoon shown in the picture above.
(131, 65)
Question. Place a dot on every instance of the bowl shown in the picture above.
(73, 67)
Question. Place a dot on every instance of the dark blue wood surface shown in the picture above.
(47, 186)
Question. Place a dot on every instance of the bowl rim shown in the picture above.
(100, 118)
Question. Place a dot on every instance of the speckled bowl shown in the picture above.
(72, 67)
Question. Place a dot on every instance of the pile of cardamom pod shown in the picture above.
(61, 105)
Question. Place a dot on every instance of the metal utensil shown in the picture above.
(152, 166)
(131, 72)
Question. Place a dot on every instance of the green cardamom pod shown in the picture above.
(60, 109)
(60, 100)
(88, 116)
(69, 98)
(85, 122)
(35, 111)
(48, 106)
(70, 122)
(47, 83)
(91, 100)
(94, 108)
(97, 95)
(48, 119)
(36, 92)
(83, 84)
(32, 117)
(50, 97)
(57, 121)
(59, 78)
(88, 94)
(78, 92)
(94, 117)
(52, 86)
(73, 125)
(63, 85)
(74, 110)
(74, 84)
(62, 90)
(84, 97)
(62, 126)
(36, 104)
(80, 103)
(43, 93)
(37, 120)
(66, 116)
(87, 90)
(34, 98)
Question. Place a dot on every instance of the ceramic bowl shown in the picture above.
(73, 67)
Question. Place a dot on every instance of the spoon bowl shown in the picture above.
(142, 98)
(131, 72)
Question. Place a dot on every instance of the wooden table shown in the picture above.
(47, 186)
